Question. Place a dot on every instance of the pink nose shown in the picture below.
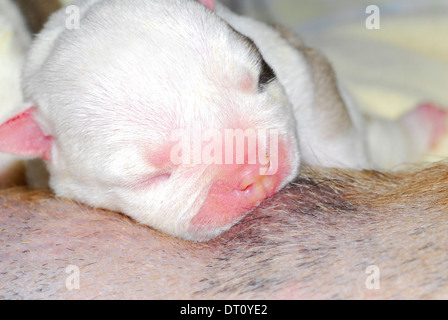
(254, 185)
(237, 191)
(238, 188)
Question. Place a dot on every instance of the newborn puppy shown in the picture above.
(182, 114)
(14, 42)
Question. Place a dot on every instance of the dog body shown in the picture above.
(119, 108)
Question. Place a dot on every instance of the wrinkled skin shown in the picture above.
(314, 239)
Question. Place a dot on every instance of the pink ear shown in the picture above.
(22, 136)
(208, 3)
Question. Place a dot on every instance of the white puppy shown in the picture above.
(14, 42)
(139, 109)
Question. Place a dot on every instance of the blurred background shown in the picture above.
(389, 70)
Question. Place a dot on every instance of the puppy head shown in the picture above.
(157, 109)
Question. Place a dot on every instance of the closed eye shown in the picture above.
(267, 75)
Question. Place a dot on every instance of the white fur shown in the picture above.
(14, 41)
(293, 72)
(111, 93)
(113, 90)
